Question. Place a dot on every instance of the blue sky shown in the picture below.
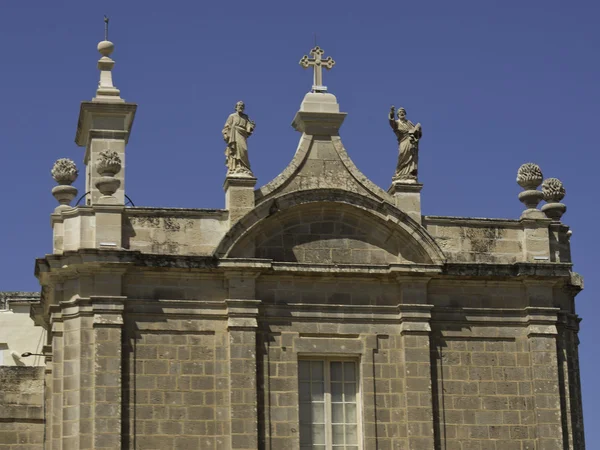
(495, 84)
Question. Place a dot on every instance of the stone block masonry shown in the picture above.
(21, 408)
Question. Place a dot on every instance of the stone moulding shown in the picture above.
(270, 189)
(368, 206)
(87, 109)
(74, 263)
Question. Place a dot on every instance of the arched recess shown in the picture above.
(330, 226)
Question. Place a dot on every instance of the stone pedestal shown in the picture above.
(536, 242)
(102, 126)
(407, 197)
(319, 115)
(239, 196)
(109, 226)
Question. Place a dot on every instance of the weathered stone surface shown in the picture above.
(22, 408)
(186, 328)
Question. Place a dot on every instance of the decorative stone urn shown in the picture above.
(529, 177)
(553, 191)
(108, 165)
(64, 173)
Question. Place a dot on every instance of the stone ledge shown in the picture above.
(434, 220)
(109, 257)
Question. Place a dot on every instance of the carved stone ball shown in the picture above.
(553, 190)
(108, 163)
(106, 48)
(64, 171)
(529, 176)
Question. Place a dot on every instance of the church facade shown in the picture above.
(318, 311)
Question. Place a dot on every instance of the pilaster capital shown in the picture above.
(240, 182)
(104, 116)
(415, 318)
(242, 314)
(541, 321)
(108, 310)
(569, 321)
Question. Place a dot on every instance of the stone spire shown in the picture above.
(104, 124)
(106, 92)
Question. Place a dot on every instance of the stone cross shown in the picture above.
(106, 19)
(318, 63)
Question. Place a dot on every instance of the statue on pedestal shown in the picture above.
(408, 135)
(236, 132)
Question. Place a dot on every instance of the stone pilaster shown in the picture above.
(239, 196)
(109, 219)
(71, 419)
(407, 197)
(542, 336)
(108, 335)
(242, 324)
(56, 418)
(48, 380)
(560, 246)
(58, 233)
(536, 240)
(415, 334)
(568, 359)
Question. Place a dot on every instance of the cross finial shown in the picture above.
(318, 63)
(106, 19)
(106, 89)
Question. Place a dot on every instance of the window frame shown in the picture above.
(327, 360)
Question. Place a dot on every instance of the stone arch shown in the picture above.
(330, 226)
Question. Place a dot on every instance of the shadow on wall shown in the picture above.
(335, 235)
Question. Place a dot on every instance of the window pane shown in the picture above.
(305, 435)
(337, 434)
(337, 413)
(304, 392)
(349, 371)
(305, 414)
(351, 437)
(318, 412)
(328, 422)
(336, 371)
(350, 392)
(317, 392)
(317, 370)
(336, 392)
(304, 370)
(318, 434)
(350, 412)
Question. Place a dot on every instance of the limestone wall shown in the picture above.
(173, 231)
(498, 241)
(21, 408)
(178, 382)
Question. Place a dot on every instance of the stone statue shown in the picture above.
(236, 132)
(408, 135)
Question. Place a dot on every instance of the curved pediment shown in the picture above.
(330, 227)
